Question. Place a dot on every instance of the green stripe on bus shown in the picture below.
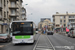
(22, 37)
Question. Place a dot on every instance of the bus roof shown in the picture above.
(23, 21)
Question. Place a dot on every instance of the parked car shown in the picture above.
(5, 37)
(50, 32)
(71, 32)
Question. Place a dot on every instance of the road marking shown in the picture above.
(65, 47)
(46, 46)
(50, 43)
(43, 49)
(36, 43)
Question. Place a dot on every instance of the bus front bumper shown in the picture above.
(22, 41)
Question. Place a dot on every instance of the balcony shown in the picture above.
(13, 7)
(71, 18)
(23, 13)
(72, 22)
(13, 0)
(4, 18)
(72, 26)
(13, 15)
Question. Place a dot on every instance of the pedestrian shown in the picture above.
(67, 30)
(44, 32)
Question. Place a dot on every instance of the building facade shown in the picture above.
(10, 10)
(61, 20)
(3, 15)
(19, 10)
(45, 22)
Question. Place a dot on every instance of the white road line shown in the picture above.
(36, 43)
(50, 43)
(44, 47)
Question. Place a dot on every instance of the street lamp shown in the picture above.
(24, 5)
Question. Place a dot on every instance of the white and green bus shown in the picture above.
(23, 32)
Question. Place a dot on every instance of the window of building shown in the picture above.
(23, 15)
(4, 2)
(69, 16)
(53, 16)
(13, 4)
(13, 12)
(0, 14)
(64, 16)
(69, 20)
(53, 24)
(73, 16)
(23, 10)
(61, 21)
(53, 20)
(72, 20)
(64, 20)
(4, 14)
(64, 25)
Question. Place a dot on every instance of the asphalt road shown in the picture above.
(60, 42)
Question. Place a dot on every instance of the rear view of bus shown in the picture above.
(22, 32)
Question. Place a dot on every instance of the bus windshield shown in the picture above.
(20, 28)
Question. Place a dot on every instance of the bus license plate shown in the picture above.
(22, 41)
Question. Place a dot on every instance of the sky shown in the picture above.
(37, 9)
